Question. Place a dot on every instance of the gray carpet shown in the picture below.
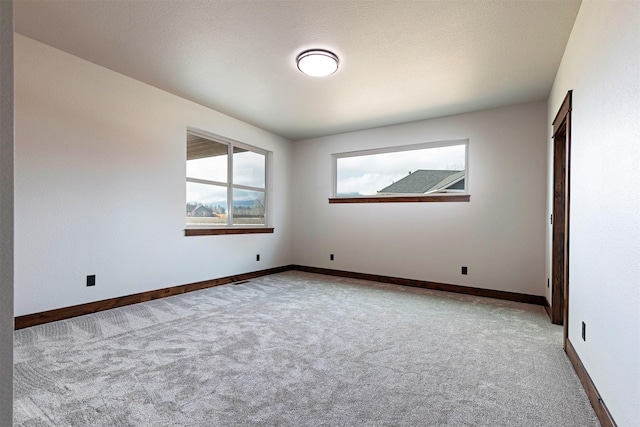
(299, 349)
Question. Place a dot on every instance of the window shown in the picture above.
(226, 184)
(426, 172)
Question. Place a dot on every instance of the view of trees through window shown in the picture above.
(221, 175)
(424, 169)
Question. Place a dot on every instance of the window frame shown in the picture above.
(447, 196)
(229, 227)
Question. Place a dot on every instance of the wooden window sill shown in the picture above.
(219, 231)
(401, 199)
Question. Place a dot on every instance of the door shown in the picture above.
(560, 218)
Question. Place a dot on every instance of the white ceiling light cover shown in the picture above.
(317, 63)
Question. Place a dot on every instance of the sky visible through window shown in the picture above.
(248, 169)
(366, 175)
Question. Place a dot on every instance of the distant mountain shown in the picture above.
(243, 203)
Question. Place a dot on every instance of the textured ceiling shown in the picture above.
(400, 60)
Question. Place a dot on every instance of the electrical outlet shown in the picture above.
(258, 257)
(464, 270)
(331, 257)
(91, 280)
(584, 331)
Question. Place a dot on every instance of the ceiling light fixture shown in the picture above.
(317, 63)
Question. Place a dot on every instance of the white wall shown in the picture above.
(100, 186)
(6, 213)
(499, 234)
(602, 66)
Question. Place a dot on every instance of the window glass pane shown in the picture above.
(206, 204)
(248, 168)
(206, 159)
(248, 207)
(423, 171)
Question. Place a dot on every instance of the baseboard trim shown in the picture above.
(93, 307)
(489, 293)
(601, 410)
(547, 308)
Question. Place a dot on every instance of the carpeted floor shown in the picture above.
(299, 349)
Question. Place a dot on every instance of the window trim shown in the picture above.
(227, 230)
(230, 228)
(449, 196)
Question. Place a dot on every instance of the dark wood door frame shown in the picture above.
(560, 218)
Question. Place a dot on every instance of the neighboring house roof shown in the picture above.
(199, 210)
(424, 181)
(449, 182)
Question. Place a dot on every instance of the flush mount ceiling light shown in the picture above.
(317, 63)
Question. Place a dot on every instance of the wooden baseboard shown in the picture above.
(489, 293)
(547, 308)
(93, 307)
(603, 414)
